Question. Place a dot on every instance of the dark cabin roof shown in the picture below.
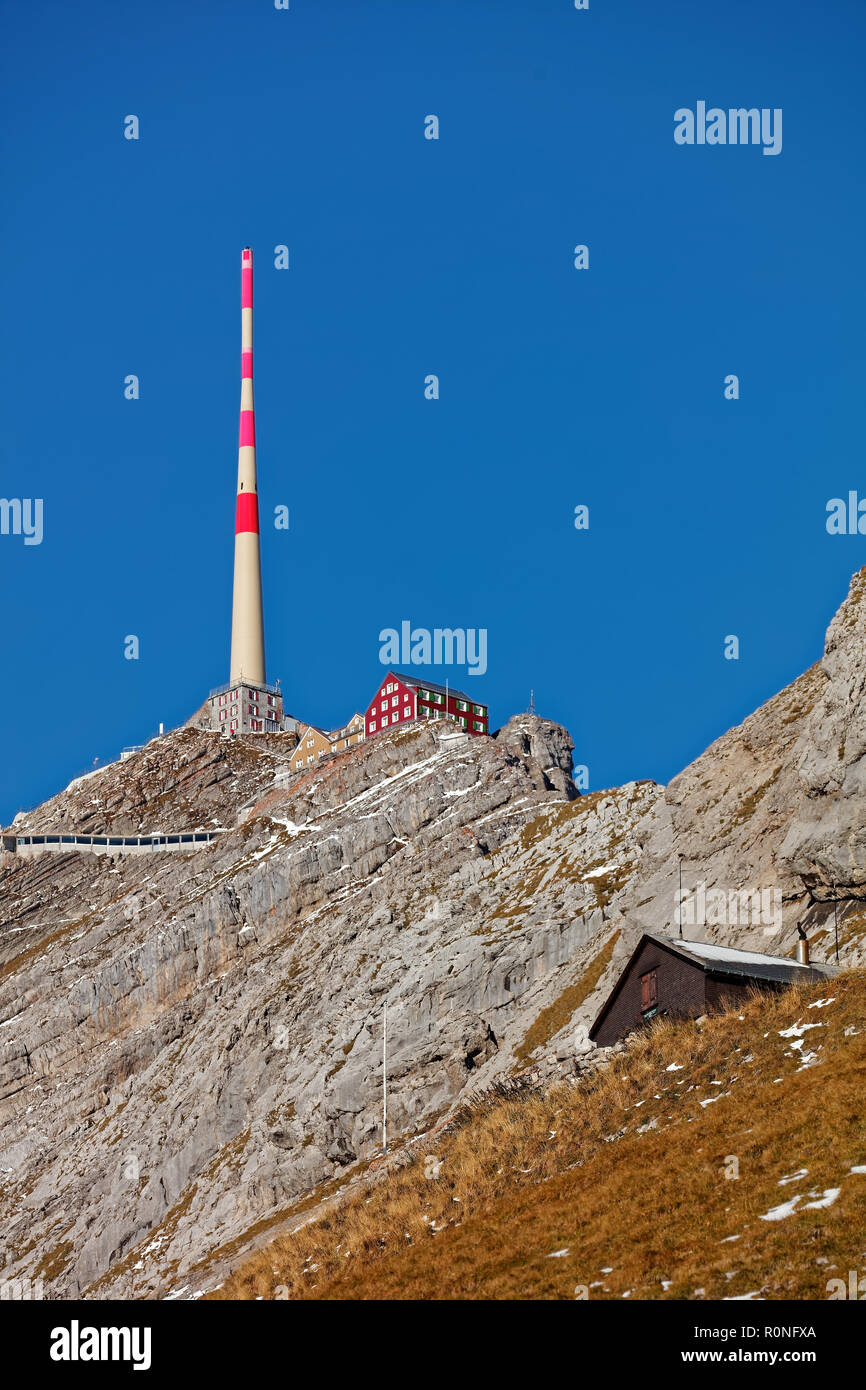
(750, 965)
(416, 682)
(722, 961)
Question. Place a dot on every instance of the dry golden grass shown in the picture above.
(644, 1214)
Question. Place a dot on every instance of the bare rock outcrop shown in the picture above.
(826, 843)
(777, 807)
(191, 1045)
(188, 1045)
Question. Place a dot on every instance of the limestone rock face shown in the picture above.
(528, 736)
(777, 805)
(826, 843)
(184, 781)
(191, 1045)
(188, 1044)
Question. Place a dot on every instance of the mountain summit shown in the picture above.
(191, 1042)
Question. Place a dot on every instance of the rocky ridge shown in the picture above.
(190, 1046)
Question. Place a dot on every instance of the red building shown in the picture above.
(400, 699)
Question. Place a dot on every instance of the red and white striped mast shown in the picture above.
(248, 628)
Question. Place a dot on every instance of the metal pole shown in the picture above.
(385, 1082)
(836, 925)
(680, 907)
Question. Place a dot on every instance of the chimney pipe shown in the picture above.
(802, 948)
(248, 629)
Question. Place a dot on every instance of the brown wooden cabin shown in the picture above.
(685, 979)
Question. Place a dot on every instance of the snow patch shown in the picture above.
(603, 869)
(827, 1198)
(782, 1212)
(798, 1029)
(794, 1177)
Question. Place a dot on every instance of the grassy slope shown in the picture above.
(542, 1172)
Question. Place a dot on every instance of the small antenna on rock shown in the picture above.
(385, 1078)
(531, 709)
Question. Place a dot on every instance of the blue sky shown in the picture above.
(558, 387)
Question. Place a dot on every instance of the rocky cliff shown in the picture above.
(191, 1045)
(778, 804)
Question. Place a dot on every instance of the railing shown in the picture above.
(245, 684)
(119, 843)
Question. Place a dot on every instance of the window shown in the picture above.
(395, 699)
(384, 705)
(309, 743)
(371, 727)
(649, 992)
(476, 724)
(478, 709)
(463, 721)
(461, 704)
